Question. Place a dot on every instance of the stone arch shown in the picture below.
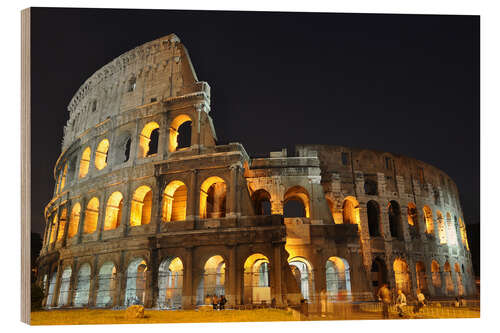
(106, 284)
(170, 281)
(53, 229)
(62, 224)
(378, 273)
(174, 201)
(176, 128)
(213, 198)
(135, 291)
(338, 280)
(303, 272)
(121, 147)
(296, 198)
(140, 206)
(114, 209)
(421, 276)
(395, 225)
(436, 275)
(450, 288)
(261, 200)
(256, 287)
(81, 297)
(460, 284)
(452, 231)
(52, 287)
(463, 233)
(148, 139)
(101, 154)
(212, 280)
(63, 177)
(429, 223)
(371, 187)
(350, 211)
(402, 275)
(74, 220)
(373, 213)
(91, 216)
(441, 228)
(85, 162)
(64, 290)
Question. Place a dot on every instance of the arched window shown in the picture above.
(436, 275)
(106, 284)
(64, 287)
(85, 162)
(135, 291)
(338, 281)
(441, 228)
(402, 276)
(460, 284)
(421, 276)
(212, 280)
(180, 133)
(140, 208)
(131, 84)
(101, 154)
(62, 224)
(256, 279)
(170, 275)
(296, 202)
(463, 234)
(81, 297)
(113, 211)
(450, 288)
(413, 219)
(148, 140)
(303, 273)
(63, 177)
(452, 231)
(349, 211)
(395, 220)
(371, 187)
(373, 212)
(74, 220)
(261, 202)
(174, 201)
(213, 198)
(91, 216)
(53, 229)
(429, 223)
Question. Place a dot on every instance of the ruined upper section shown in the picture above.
(155, 71)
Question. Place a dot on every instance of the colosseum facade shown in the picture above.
(148, 208)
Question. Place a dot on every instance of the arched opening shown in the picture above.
(106, 285)
(113, 211)
(395, 220)
(338, 280)
(402, 276)
(448, 280)
(212, 280)
(452, 231)
(53, 229)
(64, 287)
(170, 278)
(174, 202)
(261, 202)
(256, 288)
(74, 220)
(303, 273)
(101, 154)
(135, 292)
(62, 224)
(441, 228)
(91, 216)
(463, 234)
(148, 140)
(296, 202)
(140, 206)
(81, 297)
(63, 177)
(436, 275)
(373, 212)
(460, 284)
(85, 162)
(350, 211)
(421, 276)
(52, 287)
(180, 133)
(131, 84)
(213, 198)
(378, 274)
(429, 223)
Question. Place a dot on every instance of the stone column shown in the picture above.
(233, 191)
(55, 294)
(187, 283)
(278, 275)
(193, 196)
(93, 283)
(102, 215)
(231, 270)
(153, 288)
(72, 283)
(81, 221)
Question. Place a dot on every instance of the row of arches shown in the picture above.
(403, 280)
(148, 141)
(174, 207)
(256, 282)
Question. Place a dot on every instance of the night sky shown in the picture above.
(406, 84)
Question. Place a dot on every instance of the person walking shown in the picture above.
(420, 301)
(222, 302)
(400, 302)
(215, 301)
(384, 295)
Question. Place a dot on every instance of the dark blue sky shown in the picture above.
(407, 84)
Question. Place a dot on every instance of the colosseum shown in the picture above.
(148, 209)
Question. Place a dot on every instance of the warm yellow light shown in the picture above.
(101, 154)
(85, 162)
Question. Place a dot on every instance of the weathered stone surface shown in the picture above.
(134, 312)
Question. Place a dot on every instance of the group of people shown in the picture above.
(385, 296)
(218, 303)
